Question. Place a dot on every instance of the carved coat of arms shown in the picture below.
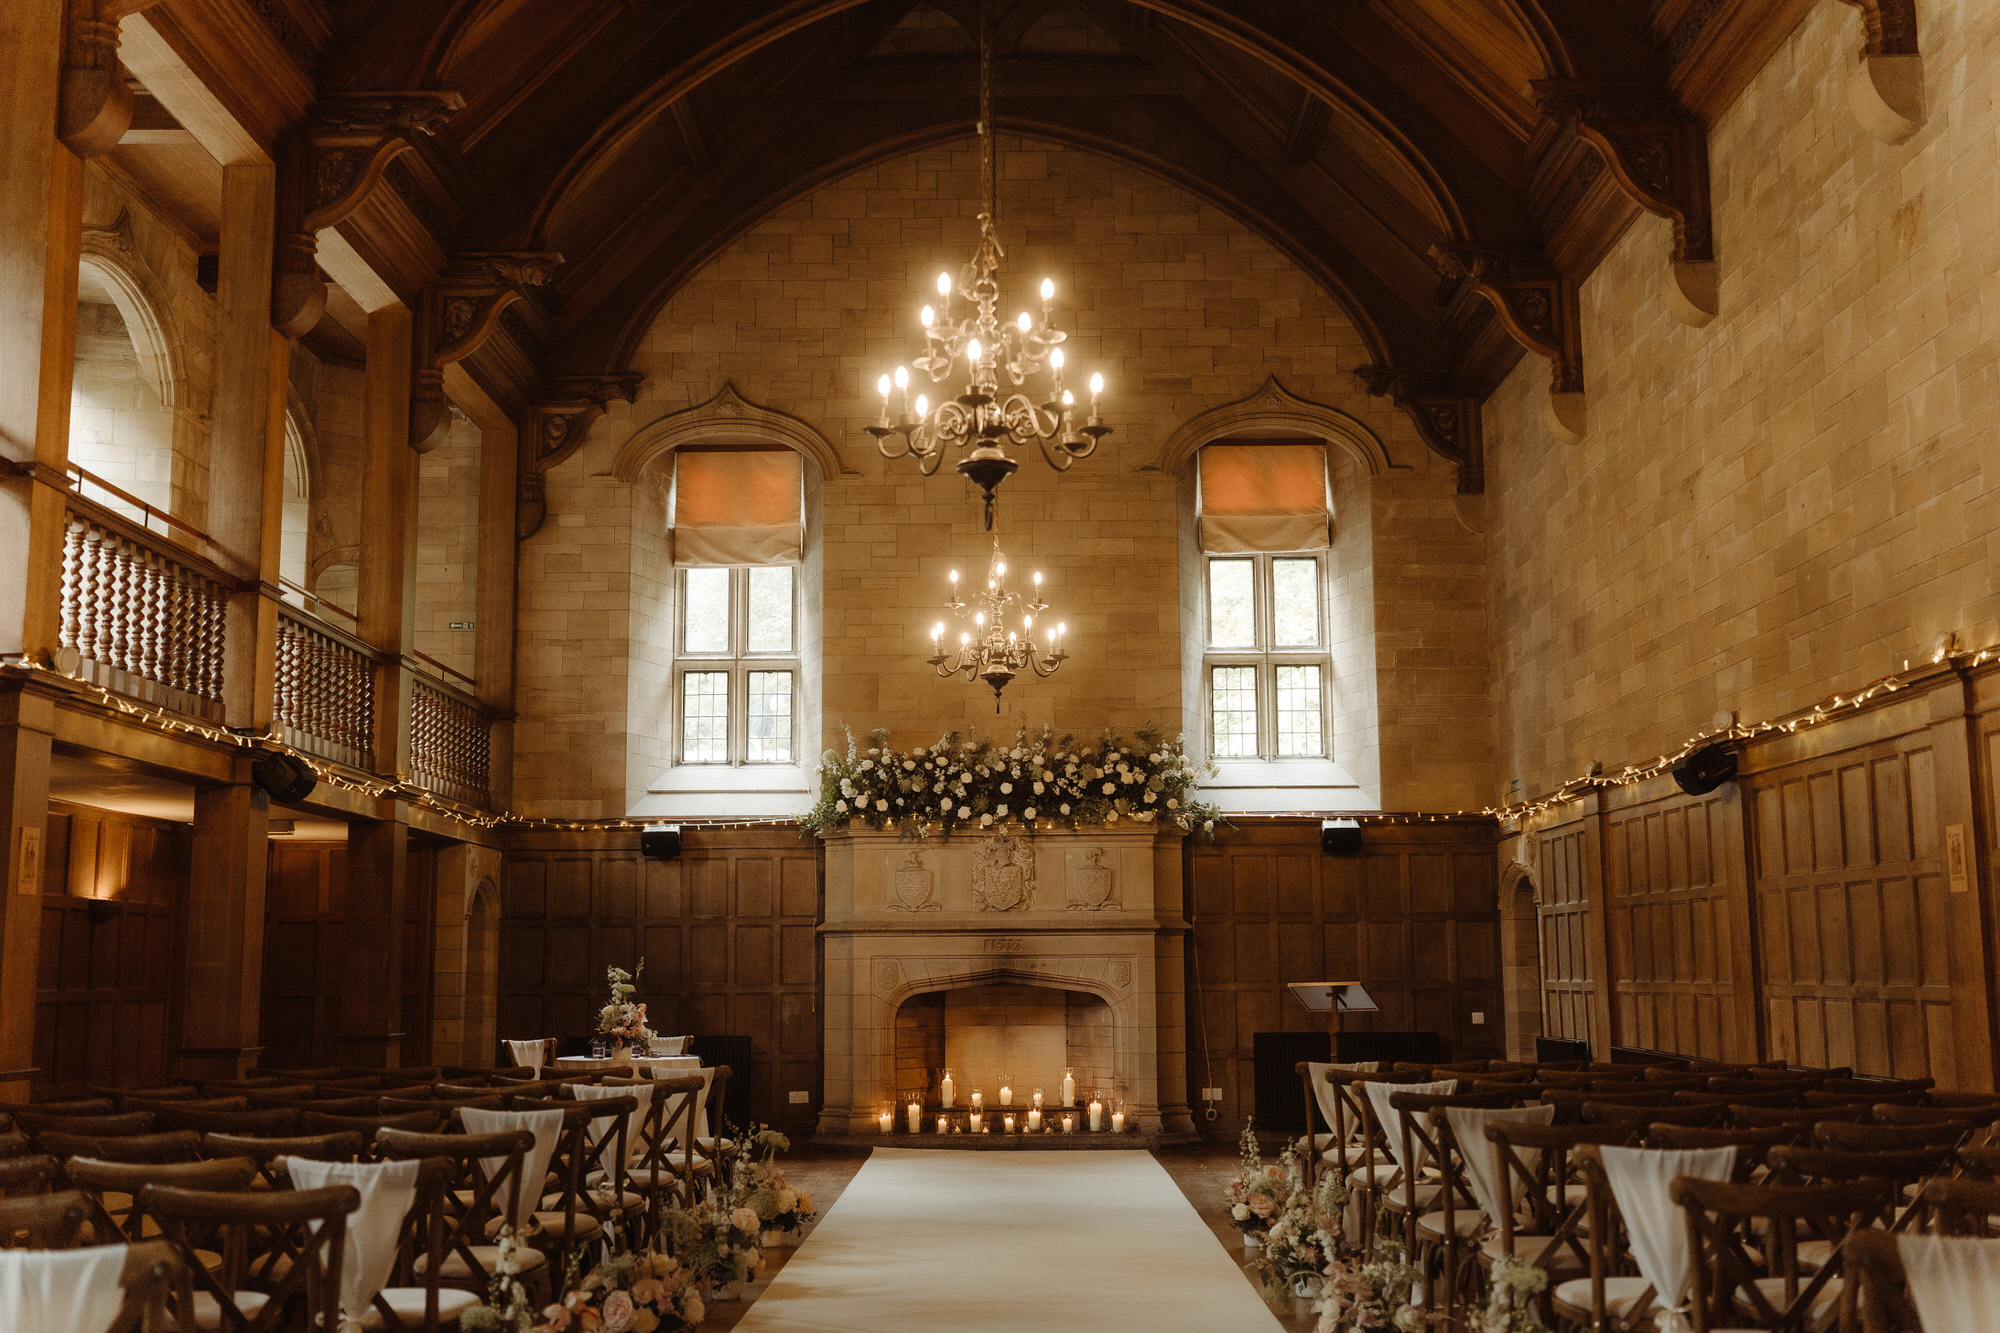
(911, 888)
(1090, 884)
(1003, 874)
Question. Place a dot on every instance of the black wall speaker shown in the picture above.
(1703, 771)
(661, 840)
(1340, 837)
(281, 777)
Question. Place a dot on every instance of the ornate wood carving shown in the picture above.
(1445, 415)
(326, 172)
(553, 430)
(1885, 90)
(1658, 154)
(1537, 306)
(95, 104)
(459, 312)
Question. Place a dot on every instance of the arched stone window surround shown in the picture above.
(108, 254)
(725, 418)
(1520, 959)
(1274, 412)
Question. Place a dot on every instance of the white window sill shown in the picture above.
(725, 791)
(1282, 786)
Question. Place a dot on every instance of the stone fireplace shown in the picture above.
(996, 949)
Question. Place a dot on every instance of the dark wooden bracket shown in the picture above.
(1885, 89)
(94, 103)
(1658, 154)
(555, 427)
(1444, 414)
(1539, 308)
(455, 316)
(325, 172)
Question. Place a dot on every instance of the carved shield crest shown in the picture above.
(1003, 874)
(911, 889)
(1090, 884)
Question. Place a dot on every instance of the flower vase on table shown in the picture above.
(621, 1024)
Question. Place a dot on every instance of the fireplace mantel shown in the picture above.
(1099, 911)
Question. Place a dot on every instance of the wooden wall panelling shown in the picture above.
(104, 989)
(419, 952)
(1677, 900)
(1867, 956)
(728, 931)
(1415, 916)
(1567, 870)
(303, 912)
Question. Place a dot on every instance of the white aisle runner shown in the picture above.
(925, 1242)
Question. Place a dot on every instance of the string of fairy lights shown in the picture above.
(1512, 813)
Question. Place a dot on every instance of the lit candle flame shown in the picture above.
(974, 351)
(928, 316)
(1048, 288)
(883, 385)
(1056, 357)
(902, 377)
(923, 406)
(944, 284)
(1096, 385)
(1024, 322)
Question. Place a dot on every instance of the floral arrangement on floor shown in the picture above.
(629, 1293)
(1294, 1247)
(1041, 779)
(748, 1160)
(1376, 1294)
(622, 1020)
(506, 1309)
(1258, 1192)
(1510, 1306)
(716, 1240)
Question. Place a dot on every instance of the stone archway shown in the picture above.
(1520, 960)
(480, 1041)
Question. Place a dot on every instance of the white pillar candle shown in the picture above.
(1006, 1095)
(948, 1089)
(943, 1124)
(1037, 1099)
(1010, 1123)
(888, 1122)
(978, 1099)
(1035, 1121)
(978, 1123)
(916, 1117)
(1096, 1116)
(1069, 1089)
(1117, 1122)
(1069, 1124)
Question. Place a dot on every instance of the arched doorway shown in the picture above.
(1521, 960)
(482, 973)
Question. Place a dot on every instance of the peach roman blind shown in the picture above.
(1264, 497)
(738, 507)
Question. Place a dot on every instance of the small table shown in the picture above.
(584, 1064)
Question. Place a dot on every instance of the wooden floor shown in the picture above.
(1202, 1174)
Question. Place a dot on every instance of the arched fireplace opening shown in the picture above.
(990, 1032)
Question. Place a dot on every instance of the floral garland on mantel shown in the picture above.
(1038, 781)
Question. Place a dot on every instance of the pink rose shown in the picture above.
(745, 1219)
(647, 1291)
(617, 1312)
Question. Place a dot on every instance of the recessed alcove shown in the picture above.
(991, 1032)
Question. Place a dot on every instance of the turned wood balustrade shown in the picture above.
(450, 742)
(325, 697)
(141, 621)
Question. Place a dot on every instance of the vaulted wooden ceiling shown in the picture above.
(639, 139)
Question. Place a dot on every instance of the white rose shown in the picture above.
(1001, 811)
(1006, 789)
(1039, 789)
(1029, 813)
(965, 812)
(1110, 787)
(945, 805)
(884, 805)
(840, 807)
(1173, 803)
(1208, 826)
(985, 820)
(1111, 818)
(1240, 1212)
(1064, 807)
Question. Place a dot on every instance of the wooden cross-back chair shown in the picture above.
(112, 1188)
(67, 1106)
(430, 1120)
(415, 1296)
(1316, 1149)
(1956, 1207)
(1363, 1145)
(1764, 1117)
(582, 1215)
(21, 1176)
(43, 1221)
(666, 1167)
(1752, 1145)
(103, 1126)
(1744, 1242)
(1612, 1113)
(308, 1225)
(1419, 1190)
(13, 1145)
(1895, 1113)
(1549, 1227)
(342, 1146)
(1867, 1138)
(475, 1202)
(1449, 1234)
(264, 1122)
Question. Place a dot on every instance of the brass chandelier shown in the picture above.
(992, 359)
(990, 651)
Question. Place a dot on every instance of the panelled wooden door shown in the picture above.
(113, 886)
(1852, 941)
(1564, 912)
(1673, 882)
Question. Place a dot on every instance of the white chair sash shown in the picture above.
(1391, 1120)
(640, 1090)
(528, 1054)
(672, 1045)
(546, 1126)
(1482, 1159)
(701, 1131)
(1954, 1281)
(387, 1190)
(61, 1291)
(1639, 1178)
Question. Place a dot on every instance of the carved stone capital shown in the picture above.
(1658, 155)
(327, 170)
(1885, 89)
(1539, 308)
(457, 314)
(1446, 417)
(557, 425)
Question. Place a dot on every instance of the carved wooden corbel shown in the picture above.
(555, 427)
(95, 104)
(326, 171)
(1658, 154)
(1885, 89)
(1447, 418)
(456, 315)
(1537, 306)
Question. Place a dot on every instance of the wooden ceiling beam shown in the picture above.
(1308, 131)
(1013, 77)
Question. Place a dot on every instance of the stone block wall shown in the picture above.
(1799, 497)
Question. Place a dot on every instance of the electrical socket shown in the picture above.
(801, 1098)
(1478, 1017)
(1211, 1094)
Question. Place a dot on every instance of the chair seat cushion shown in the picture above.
(1621, 1296)
(208, 1310)
(1824, 1301)
(1421, 1195)
(455, 1269)
(1561, 1260)
(408, 1305)
(555, 1222)
(1464, 1221)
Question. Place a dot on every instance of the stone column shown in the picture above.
(371, 969)
(26, 720)
(222, 979)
